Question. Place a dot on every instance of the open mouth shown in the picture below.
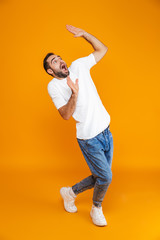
(64, 67)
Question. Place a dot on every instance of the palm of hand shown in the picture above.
(74, 87)
(77, 31)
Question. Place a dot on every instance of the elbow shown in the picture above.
(106, 49)
(103, 50)
(66, 117)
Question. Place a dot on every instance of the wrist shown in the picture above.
(85, 34)
(74, 95)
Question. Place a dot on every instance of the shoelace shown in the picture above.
(99, 212)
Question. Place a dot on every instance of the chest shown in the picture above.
(85, 84)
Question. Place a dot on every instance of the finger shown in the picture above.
(71, 31)
(68, 77)
(76, 84)
(70, 80)
(77, 81)
(71, 86)
(71, 28)
(75, 28)
(70, 83)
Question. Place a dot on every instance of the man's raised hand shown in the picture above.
(74, 86)
(77, 31)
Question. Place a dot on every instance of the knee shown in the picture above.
(107, 178)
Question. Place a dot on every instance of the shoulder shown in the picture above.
(75, 63)
(79, 60)
(89, 58)
(51, 86)
(86, 62)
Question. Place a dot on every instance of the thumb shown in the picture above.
(77, 35)
(76, 81)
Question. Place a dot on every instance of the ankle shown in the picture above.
(95, 206)
(72, 193)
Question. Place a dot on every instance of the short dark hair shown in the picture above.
(45, 63)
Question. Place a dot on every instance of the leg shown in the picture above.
(94, 153)
(100, 188)
(103, 183)
(86, 183)
(83, 185)
(109, 153)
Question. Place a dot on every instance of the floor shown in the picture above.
(31, 206)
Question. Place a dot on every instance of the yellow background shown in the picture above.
(39, 153)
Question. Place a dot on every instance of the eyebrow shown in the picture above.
(55, 57)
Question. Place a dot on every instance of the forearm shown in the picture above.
(69, 108)
(97, 45)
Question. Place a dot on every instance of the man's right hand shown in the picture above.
(68, 109)
(78, 32)
(74, 87)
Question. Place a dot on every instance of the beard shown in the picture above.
(60, 74)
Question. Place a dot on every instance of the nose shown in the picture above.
(62, 62)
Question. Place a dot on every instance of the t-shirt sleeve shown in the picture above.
(88, 61)
(56, 97)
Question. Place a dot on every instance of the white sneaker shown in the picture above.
(97, 216)
(69, 198)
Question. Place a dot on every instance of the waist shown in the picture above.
(107, 129)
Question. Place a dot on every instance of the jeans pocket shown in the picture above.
(93, 145)
(82, 142)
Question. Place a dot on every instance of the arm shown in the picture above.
(99, 47)
(67, 110)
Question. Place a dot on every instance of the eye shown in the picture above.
(55, 61)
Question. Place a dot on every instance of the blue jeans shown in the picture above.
(98, 153)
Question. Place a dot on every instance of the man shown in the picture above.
(74, 94)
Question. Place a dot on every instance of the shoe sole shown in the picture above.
(63, 196)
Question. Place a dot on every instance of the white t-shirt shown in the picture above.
(90, 114)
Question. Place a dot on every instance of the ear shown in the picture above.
(49, 71)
